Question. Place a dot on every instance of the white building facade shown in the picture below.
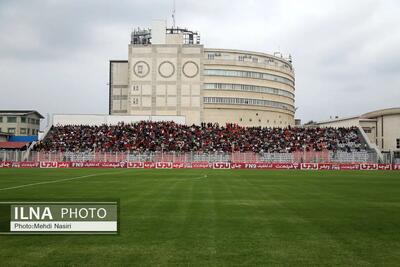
(169, 73)
(381, 126)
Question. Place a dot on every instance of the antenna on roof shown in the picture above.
(173, 16)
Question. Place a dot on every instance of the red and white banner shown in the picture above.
(242, 165)
(135, 165)
(309, 166)
(164, 165)
(180, 165)
(25, 164)
(349, 166)
(328, 166)
(48, 164)
(286, 166)
(396, 167)
(259, 165)
(221, 165)
(149, 165)
(93, 164)
(202, 165)
(265, 166)
(5, 164)
(384, 167)
(366, 166)
(64, 165)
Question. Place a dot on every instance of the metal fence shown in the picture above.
(13, 155)
(297, 157)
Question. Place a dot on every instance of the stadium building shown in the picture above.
(380, 128)
(170, 80)
(20, 122)
(170, 73)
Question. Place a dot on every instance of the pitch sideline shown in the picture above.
(59, 180)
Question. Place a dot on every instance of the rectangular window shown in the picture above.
(23, 119)
(22, 131)
(11, 130)
(1, 119)
(12, 120)
(211, 56)
(29, 131)
(241, 58)
(398, 143)
(135, 101)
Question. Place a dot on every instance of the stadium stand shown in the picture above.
(146, 136)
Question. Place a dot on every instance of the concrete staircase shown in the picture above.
(371, 146)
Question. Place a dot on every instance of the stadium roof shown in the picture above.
(13, 145)
(338, 119)
(20, 112)
(370, 116)
(381, 112)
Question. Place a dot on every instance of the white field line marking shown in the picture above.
(57, 181)
(197, 177)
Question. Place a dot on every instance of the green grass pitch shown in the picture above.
(229, 218)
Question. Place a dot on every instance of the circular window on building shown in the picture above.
(190, 69)
(166, 69)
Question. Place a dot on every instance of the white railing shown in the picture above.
(12, 155)
(297, 157)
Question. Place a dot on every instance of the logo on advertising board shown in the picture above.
(221, 165)
(135, 165)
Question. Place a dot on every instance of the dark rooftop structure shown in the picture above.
(20, 112)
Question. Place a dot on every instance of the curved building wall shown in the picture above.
(248, 88)
(203, 85)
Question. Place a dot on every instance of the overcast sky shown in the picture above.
(54, 55)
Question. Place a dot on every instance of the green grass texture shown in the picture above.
(216, 218)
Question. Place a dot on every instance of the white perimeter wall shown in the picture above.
(92, 119)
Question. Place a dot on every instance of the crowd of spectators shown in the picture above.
(148, 136)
